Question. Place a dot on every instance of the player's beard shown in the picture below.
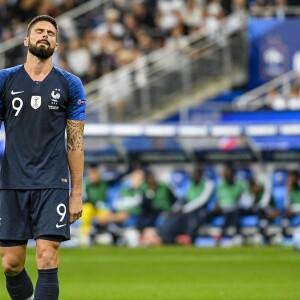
(40, 52)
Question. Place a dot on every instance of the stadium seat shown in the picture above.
(218, 221)
(205, 242)
(131, 222)
(210, 173)
(249, 221)
(296, 221)
(244, 174)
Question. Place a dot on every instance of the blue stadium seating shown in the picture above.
(249, 221)
(296, 221)
(243, 174)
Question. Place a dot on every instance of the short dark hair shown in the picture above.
(41, 18)
(93, 166)
(294, 173)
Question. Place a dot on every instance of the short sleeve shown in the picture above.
(77, 103)
(2, 79)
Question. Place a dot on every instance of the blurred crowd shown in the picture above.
(276, 99)
(15, 14)
(140, 208)
(120, 31)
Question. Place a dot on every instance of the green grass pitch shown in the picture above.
(175, 273)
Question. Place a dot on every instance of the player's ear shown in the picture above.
(56, 45)
(26, 41)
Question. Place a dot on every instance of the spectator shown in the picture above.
(177, 39)
(294, 99)
(169, 14)
(117, 87)
(24, 10)
(281, 9)
(66, 5)
(262, 8)
(213, 14)
(5, 18)
(111, 25)
(192, 15)
(78, 53)
(274, 100)
(145, 42)
(130, 39)
(143, 16)
(47, 7)
(239, 12)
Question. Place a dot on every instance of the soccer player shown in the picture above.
(38, 103)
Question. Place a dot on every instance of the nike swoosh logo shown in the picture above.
(15, 93)
(62, 225)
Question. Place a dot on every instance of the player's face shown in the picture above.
(41, 41)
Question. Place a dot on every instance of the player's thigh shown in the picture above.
(15, 215)
(13, 258)
(50, 213)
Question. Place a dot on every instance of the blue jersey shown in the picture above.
(35, 116)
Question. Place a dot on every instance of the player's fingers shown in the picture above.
(72, 219)
(75, 216)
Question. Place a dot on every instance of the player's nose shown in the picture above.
(45, 33)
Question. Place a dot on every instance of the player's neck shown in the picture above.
(38, 69)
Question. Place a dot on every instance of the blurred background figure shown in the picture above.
(262, 205)
(292, 204)
(294, 99)
(158, 200)
(121, 220)
(181, 224)
(275, 100)
(228, 195)
(97, 202)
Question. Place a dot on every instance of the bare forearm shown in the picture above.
(75, 154)
(76, 160)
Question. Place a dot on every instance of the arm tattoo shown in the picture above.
(75, 135)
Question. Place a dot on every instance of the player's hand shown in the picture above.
(75, 207)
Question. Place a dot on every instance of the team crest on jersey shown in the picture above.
(36, 102)
(55, 94)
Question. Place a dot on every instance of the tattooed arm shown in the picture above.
(76, 160)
